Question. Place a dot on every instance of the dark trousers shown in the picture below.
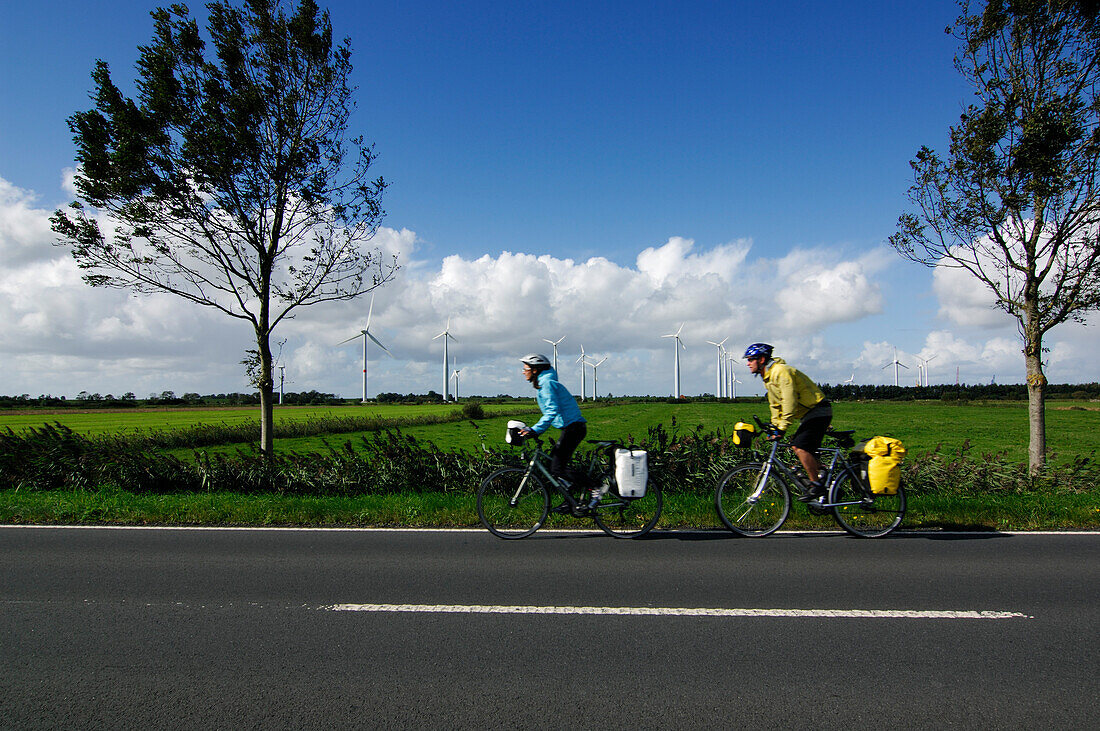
(571, 436)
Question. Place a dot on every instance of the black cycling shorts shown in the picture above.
(811, 430)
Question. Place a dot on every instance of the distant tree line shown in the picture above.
(838, 392)
(952, 392)
(85, 400)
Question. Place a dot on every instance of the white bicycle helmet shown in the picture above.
(535, 359)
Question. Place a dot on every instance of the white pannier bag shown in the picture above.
(511, 435)
(631, 471)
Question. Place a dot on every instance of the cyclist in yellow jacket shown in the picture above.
(792, 395)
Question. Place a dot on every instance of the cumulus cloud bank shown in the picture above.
(60, 336)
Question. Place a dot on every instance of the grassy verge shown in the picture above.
(115, 507)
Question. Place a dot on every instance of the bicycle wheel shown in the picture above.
(747, 511)
(508, 511)
(863, 514)
(629, 517)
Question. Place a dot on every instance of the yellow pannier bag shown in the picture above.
(884, 469)
(743, 434)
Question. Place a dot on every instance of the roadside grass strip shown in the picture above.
(681, 611)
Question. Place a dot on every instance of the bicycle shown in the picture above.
(755, 499)
(514, 502)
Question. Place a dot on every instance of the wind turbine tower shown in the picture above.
(454, 374)
(676, 345)
(718, 390)
(583, 361)
(446, 335)
(595, 381)
(366, 334)
(895, 362)
(555, 344)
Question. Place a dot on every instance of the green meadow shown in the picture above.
(998, 427)
(969, 459)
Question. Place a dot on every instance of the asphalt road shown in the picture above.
(272, 629)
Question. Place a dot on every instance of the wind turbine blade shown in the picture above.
(370, 311)
(437, 337)
(379, 344)
(353, 337)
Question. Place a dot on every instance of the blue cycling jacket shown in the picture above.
(559, 408)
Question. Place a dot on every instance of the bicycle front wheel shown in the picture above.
(510, 506)
(629, 517)
(748, 507)
(863, 514)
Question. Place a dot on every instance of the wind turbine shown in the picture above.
(595, 381)
(555, 344)
(446, 335)
(583, 361)
(454, 374)
(851, 378)
(924, 367)
(365, 334)
(718, 389)
(676, 345)
(733, 388)
(895, 362)
(282, 380)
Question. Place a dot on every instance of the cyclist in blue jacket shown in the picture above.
(559, 410)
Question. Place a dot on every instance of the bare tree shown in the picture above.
(231, 180)
(1016, 203)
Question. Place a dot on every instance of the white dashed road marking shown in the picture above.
(681, 611)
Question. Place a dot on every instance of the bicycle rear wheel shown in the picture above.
(509, 511)
(629, 517)
(863, 514)
(747, 511)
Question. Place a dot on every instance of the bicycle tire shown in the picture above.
(502, 513)
(877, 516)
(741, 513)
(629, 517)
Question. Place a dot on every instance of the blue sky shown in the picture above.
(600, 170)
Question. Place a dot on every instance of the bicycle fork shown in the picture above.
(523, 482)
(761, 481)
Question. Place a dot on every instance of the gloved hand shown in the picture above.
(528, 432)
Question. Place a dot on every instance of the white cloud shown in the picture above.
(60, 336)
(964, 300)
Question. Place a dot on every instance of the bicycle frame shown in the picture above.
(538, 460)
(832, 474)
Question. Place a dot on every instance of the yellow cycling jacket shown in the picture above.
(790, 393)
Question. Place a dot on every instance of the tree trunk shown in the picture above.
(1036, 403)
(267, 400)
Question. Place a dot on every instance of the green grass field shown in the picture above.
(998, 427)
(1072, 428)
(921, 426)
(93, 422)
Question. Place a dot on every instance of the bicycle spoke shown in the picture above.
(748, 508)
(629, 517)
(511, 506)
(864, 515)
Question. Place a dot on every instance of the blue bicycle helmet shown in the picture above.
(757, 349)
